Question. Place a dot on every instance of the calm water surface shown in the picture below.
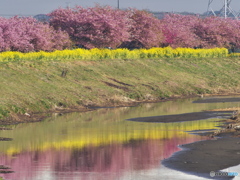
(102, 144)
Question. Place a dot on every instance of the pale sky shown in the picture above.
(34, 7)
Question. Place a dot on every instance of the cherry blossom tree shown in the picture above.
(145, 29)
(27, 34)
(92, 27)
(178, 30)
(193, 31)
(218, 32)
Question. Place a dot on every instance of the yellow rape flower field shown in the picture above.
(100, 54)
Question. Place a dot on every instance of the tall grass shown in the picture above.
(99, 54)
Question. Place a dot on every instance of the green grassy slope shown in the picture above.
(39, 86)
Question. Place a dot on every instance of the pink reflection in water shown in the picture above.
(106, 162)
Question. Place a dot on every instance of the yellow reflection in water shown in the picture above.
(71, 132)
(106, 126)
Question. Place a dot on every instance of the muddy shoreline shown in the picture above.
(30, 117)
(183, 117)
(220, 152)
(200, 158)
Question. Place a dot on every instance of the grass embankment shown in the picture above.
(42, 86)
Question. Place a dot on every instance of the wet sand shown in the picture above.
(217, 100)
(200, 158)
(216, 154)
(184, 117)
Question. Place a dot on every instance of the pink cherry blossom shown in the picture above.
(27, 34)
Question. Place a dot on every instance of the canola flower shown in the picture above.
(234, 55)
(100, 54)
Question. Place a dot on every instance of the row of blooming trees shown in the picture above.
(107, 27)
(99, 27)
(92, 27)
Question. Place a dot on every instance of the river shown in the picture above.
(104, 144)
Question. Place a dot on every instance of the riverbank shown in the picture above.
(31, 89)
(217, 154)
(200, 158)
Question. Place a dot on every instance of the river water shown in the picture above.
(103, 144)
